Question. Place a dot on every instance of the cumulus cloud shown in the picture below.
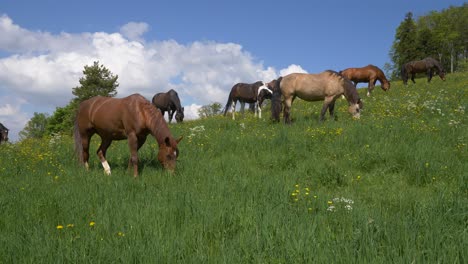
(40, 69)
(293, 68)
(134, 30)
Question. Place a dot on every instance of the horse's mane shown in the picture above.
(155, 121)
(349, 88)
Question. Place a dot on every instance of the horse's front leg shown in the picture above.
(331, 110)
(101, 152)
(259, 109)
(233, 110)
(412, 77)
(171, 114)
(134, 145)
(242, 108)
(326, 104)
(371, 86)
(429, 75)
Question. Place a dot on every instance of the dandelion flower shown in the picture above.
(60, 227)
(70, 225)
(92, 223)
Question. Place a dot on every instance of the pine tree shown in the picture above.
(404, 48)
(97, 80)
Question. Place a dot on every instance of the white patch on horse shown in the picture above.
(106, 167)
(263, 87)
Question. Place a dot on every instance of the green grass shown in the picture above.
(253, 191)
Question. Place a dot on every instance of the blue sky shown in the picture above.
(200, 48)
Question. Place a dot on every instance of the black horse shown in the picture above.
(169, 102)
(3, 133)
(247, 93)
(427, 65)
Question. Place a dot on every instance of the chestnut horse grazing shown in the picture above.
(326, 86)
(427, 65)
(370, 74)
(131, 118)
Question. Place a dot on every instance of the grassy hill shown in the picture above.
(388, 188)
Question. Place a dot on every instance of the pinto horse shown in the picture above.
(131, 118)
(169, 102)
(326, 86)
(244, 93)
(3, 133)
(427, 65)
(370, 74)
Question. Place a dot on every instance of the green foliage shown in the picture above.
(62, 120)
(97, 80)
(209, 110)
(441, 35)
(36, 127)
(388, 188)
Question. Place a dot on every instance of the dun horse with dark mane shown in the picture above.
(370, 74)
(169, 102)
(326, 86)
(131, 118)
(245, 93)
(3, 133)
(427, 65)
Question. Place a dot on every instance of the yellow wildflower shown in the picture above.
(92, 223)
(60, 227)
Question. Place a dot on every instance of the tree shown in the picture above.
(209, 110)
(61, 120)
(404, 48)
(97, 80)
(36, 126)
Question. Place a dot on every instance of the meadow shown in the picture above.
(390, 187)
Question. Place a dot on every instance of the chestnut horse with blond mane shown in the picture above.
(368, 74)
(131, 118)
(326, 86)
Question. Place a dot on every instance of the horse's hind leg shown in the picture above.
(101, 152)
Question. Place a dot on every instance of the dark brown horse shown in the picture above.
(131, 118)
(244, 93)
(3, 133)
(427, 65)
(326, 86)
(169, 102)
(368, 74)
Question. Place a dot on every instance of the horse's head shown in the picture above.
(168, 153)
(179, 116)
(355, 109)
(385, 86)
(3, 133)
(442, 75)
(263, 93)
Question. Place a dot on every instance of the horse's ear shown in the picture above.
(178, 140)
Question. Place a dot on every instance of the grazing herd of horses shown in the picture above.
(133, 118)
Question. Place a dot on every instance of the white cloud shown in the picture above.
(293, 68)
(40, 68)
(134, 30)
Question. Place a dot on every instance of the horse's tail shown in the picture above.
(228, 104)
(78, 144)
(276, 100)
